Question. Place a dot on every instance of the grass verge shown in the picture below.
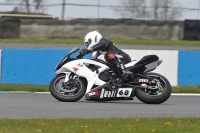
(186, 89)
(116, 40)
(31, 88)
(112, 125)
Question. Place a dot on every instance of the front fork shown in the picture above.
(69, 80)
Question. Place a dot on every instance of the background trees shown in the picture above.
(150, 9)
(29, 5)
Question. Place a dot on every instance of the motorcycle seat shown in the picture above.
(148, 59)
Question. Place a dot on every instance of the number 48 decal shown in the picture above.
(124, 92)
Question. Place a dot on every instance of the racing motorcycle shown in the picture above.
(99, 80)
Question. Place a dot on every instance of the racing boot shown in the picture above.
(125, 73)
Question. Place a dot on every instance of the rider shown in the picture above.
(94, 41)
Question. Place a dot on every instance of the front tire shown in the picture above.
(62, 95)
(155, 99)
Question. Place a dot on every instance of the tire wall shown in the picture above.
(191, 30)
(9, 28)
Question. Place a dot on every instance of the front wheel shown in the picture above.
(67, 92)
(156, 96)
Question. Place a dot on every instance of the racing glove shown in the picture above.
(83, 52)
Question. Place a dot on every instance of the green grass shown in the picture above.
(32, 88)
(115, 40)
(112, 125)
(43, 41)
(186, 89)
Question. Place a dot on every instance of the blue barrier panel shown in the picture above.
(31, 66)
(188, 68)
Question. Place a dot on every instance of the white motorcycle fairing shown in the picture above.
(79, 68)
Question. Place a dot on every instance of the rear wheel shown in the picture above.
(155, 96)
(67, 92)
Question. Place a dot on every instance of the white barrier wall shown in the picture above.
(169, 66)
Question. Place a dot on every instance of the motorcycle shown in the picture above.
(99, 80)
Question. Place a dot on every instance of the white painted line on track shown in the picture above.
(42, 92)
(14, 92)
(24, 92)
(184, 94)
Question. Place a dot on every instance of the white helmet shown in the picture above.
(91, 39)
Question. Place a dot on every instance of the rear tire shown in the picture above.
(59, 95)
(155, 99)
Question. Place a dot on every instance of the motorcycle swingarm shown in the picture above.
(138, 86)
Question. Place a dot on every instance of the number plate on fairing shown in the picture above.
(124, 92)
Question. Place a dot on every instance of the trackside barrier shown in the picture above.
(189, 68)
(36, 66)
(31, 66)
(169, 66)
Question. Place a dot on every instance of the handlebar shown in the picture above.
(96, 55)
(79, 56)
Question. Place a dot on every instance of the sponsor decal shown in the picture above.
(76, 67)
(107, 94)
(94, 93)
(144, 80)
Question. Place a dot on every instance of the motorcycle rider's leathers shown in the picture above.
(106, 45)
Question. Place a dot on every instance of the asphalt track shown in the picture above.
(34, 105)
(149, 47)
